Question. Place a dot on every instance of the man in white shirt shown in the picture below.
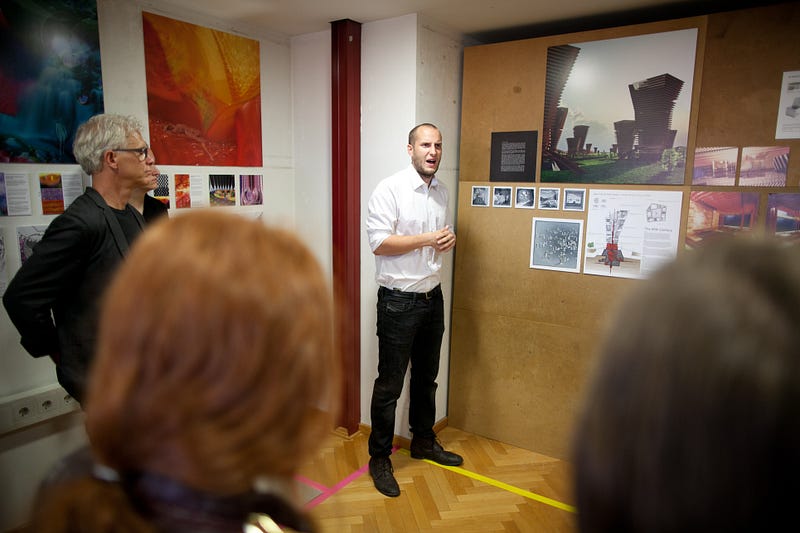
(408, 231)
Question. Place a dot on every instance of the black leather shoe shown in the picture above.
(422, 448)
(380, 468)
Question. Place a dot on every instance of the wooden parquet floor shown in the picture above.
(498, 488)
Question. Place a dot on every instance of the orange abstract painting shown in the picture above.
(203, 94)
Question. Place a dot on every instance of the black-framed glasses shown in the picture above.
(140, 152)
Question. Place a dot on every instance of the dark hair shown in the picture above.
(215, 363)
(691, 421)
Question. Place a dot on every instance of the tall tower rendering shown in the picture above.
(653, 101)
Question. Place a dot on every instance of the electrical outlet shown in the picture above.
(29, 407)
(24, 411)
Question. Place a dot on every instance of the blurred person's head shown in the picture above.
(215, 356)
(215, 365)
(691, 418)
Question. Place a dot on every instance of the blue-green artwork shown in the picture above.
(50, 78)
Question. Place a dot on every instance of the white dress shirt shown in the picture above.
(403, 205)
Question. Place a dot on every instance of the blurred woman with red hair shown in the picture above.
(215, 379)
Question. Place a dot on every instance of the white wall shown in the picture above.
(410, 73)
(27, 454)
(311, 97)
(388, 112)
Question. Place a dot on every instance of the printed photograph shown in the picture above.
(574, 199)
(556, 244)
(715, 165)
(480, 196)
(764, 166)
(549, 198)
(783, 216)
(525, 197)
(617, 110)
(250, 189)
(221, 190)
(501, 197)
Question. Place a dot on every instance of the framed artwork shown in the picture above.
(715, 214)
(557, 244)
(480, 196)
(574, 199)
(525, 197)
(549, 198)
(501, 197)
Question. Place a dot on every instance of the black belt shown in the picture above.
(436, 291)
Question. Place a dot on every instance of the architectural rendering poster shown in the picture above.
(513, 156)
(764, 166)
(50, 79)
(630, 234)
(715, 165)
(556, 244)
(203, 94)
(717, 214)
(783, 216)
(617, 110)
(789, 107)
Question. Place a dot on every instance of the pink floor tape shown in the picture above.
(328, 492)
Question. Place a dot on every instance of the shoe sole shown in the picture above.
(417, 456)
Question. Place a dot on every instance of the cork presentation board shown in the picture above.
(523, 339)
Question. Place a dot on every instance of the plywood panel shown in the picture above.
(523, 339)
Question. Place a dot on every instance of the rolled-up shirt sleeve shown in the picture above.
(381, 216)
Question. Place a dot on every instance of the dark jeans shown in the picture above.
(410, 329)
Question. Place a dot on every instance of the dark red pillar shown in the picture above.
(346, 192)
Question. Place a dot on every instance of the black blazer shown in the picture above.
(53, 299)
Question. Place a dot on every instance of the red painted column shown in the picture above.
(346, 209)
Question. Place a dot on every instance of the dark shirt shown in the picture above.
(53, 299)
(153, 209)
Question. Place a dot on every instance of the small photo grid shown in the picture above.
(480, 196)
(525, 197)
(574, 200)
(501, 197)
(549, 198)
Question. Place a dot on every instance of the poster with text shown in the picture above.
(630, 234)
(788, 126)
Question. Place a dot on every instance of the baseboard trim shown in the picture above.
(400, 442)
